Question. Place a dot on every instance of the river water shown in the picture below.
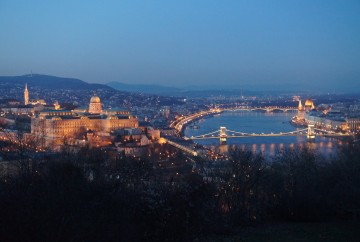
(258, 122)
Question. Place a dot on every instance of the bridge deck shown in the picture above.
(181, 147)
(265, 135)
(234, 134)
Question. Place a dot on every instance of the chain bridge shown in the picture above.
(267, 109)
(223, 134)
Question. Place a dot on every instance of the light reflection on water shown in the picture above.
(326, 148)
(257, 122)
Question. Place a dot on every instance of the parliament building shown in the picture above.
(58, 126)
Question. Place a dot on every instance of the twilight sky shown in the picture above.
(189, 42)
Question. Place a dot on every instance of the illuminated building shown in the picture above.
(56, 105)
(300, 107)
(165, 111)
(37, 101)
(59, 126)
(26, 95)
(32, 101)
(353, 124)
(309, 105)
(95, 105)
(328, 123)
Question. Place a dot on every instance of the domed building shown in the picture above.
(54, 126)
(95, 105)
(309, 104)
(95, 99)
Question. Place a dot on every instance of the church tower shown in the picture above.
(26, 95)
(300, 107)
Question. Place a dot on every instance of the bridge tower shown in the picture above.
(223, 135)
(310, 132)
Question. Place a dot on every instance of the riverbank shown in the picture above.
(196, 119)
(296, 122)
(183, 122)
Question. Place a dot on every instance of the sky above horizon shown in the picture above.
(260, 44)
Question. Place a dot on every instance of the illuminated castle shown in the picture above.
(57, 126)
(308, 105)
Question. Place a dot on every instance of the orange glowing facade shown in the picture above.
(57, 125)
(26, 95)
(300, 107)
(308, 105)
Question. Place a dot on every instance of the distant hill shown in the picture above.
(49, 82)
(190, 91)
(144, 88)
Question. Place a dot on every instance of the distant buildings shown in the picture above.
(29, 107)
(353, 124)
(165, 111)
(335, 117)
(329, 122)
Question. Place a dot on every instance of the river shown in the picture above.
(258, 122)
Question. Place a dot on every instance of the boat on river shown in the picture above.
(194, 126)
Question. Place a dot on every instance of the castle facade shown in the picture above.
(57, 126)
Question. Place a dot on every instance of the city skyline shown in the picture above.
(206, 43)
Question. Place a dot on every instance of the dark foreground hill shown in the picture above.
(48, 82)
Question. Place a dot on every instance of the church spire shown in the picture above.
(300, 108)
(26, 95)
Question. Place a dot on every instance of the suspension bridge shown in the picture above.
(267, 109)
(223, 134)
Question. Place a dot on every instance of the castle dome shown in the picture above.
(95, 99)
(95, 105)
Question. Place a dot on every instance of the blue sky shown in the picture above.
(179, 43)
